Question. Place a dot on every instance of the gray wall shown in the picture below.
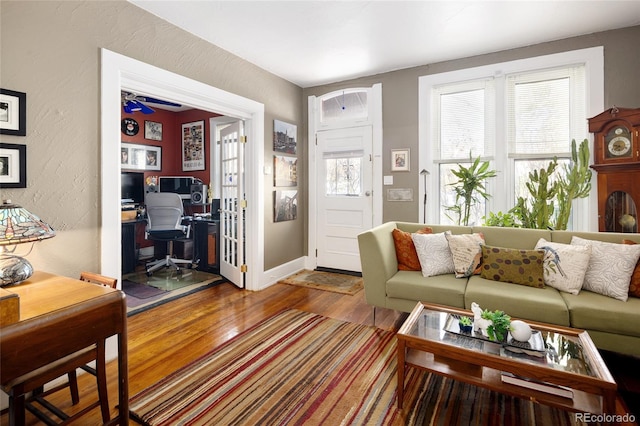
(400, 96)
(51, 51)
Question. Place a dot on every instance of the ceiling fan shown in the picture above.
(132, 103)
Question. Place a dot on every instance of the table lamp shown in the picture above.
(17, 226)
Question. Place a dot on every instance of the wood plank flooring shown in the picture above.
(170, 336)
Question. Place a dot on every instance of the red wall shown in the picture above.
(171, 143)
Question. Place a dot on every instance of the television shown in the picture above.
(132, 187)
(179, 184)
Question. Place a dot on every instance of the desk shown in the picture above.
(59, 316)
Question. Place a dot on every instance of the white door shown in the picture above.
(232, 204)
(343, 195)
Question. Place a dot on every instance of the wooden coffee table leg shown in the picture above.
(400, 368)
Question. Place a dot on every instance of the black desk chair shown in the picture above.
(164, 223)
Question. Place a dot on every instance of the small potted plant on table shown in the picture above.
(465, 324)
(500, 325)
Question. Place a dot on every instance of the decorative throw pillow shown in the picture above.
(466, 251)
(564, 265)
(405, 250)
(433, 253)
(610, 267)
(523, 267)
(634, 283)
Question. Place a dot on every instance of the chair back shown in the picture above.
(98, 279)
(164, 211)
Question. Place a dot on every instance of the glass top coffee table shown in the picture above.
(569, 359)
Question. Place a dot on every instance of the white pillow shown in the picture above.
(466, 252)
(610, 267)
(433, 253)
(564, 265)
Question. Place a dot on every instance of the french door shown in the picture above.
(232, 204)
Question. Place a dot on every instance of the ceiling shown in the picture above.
(310, 43)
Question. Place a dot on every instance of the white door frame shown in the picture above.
(121, 72)
(375, 120)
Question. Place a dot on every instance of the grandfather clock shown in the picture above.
(617, 163)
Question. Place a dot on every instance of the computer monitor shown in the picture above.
(178, 184)
(132, 187)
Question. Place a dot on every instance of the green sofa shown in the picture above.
(611, 323)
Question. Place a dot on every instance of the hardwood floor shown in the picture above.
(172, 335)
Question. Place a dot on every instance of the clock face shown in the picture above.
(618, 143)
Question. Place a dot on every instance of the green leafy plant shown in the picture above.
(500, 324)
(575, 183)
(465, 321)
(470, 188)
(504, 220)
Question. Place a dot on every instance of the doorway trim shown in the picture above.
(121, 72)
(375, 120)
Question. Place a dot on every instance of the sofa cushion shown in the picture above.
(405, 250)
(634, 283)
(466, 252)
(593, 311)
(610, 267)
(529, 303)
(564, 265)
(434, 254)
(442, 289)
(513, 266)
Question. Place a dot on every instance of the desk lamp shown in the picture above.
(17, 226)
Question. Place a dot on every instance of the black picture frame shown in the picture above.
(13, 165)
(13, 113)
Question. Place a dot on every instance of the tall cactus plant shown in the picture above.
(575, 183)
(537, 211)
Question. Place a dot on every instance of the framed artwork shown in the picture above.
(285, 170)
(13, 165)
(285, 205)
(285, 137)
(400, 160)
(13, 113)
(153, 130)
(140, 157)
(193, 146)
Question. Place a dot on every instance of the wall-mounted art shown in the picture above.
(140, 157)
(400, 194)
(153, 130)
(285, 170)
(193, 146)
(13, 113)
(13, 165)
(285, 137)
(285, 205)
(400, 160)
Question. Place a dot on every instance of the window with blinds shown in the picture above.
(517, 117)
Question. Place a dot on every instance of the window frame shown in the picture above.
(585, 210)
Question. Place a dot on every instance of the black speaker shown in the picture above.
(198, 193)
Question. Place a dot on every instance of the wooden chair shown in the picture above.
(35, 381)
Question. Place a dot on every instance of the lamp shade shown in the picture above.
(18, 225)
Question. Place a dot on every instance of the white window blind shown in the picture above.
(465, 119)
(545, 110)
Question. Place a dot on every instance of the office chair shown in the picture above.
(35, 381)
(164, 223)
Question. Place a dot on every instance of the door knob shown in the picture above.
(367, 193)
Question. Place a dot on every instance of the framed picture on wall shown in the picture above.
(140, 157)
(153, 130)
(285, 137)
(13, 113)
(400, 160)
(13, 165)
(285, 170)
(193, 146)
(285, 205)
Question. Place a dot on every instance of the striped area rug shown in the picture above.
(302, 368)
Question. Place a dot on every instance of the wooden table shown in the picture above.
(59, 316)
(423, 343)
